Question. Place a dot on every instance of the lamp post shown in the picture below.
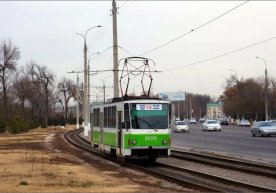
(85, 102)
(265, 91)
(237, 82)
(88, 100)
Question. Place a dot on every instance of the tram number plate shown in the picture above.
(150, 138)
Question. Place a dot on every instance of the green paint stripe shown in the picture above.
(96, 137)
(147, 140)
(110, 139)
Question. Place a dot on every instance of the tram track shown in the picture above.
(226, 162)
(187, 178)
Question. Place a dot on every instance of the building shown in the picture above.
(215, 110)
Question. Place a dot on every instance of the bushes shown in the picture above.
(3, 124)
(18, 125)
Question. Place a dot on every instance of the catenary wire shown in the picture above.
(221, 55)
(200, 26)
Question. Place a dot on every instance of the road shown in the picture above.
(232, 140)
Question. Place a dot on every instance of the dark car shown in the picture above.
(224, 122)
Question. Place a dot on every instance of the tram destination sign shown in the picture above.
(149, 107)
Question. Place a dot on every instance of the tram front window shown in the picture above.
(149, 116)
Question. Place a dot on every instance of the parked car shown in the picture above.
(193, 121)
(273, 122)
(244, 123)
(181, 126)
(263, 128)
(224, 121)
(201, 120)
(211, 125)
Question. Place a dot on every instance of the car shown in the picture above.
(263, 128)
(211, 125)
(273, 122)
(193, 121)
(244, 123)
(224, 121)
(201, 120)
(181, 126)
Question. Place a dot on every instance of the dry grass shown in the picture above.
(27, 170)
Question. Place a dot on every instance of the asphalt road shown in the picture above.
(232, 140)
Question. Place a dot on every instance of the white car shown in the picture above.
(263, 128)
(193, 121)
(244, 123)
(181, 126)
(273, 122)
(210, 125)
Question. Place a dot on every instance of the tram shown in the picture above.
(133, 126)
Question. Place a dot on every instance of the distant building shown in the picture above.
(215, 110)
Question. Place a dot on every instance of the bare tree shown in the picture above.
(67, 90)
(22, 90)
(43, 80)
(9, 55)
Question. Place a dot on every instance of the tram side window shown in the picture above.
(126, 116)
(113, 120)
(96, 117)
(105, 117)
(112, 117)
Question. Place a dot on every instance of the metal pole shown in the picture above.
(85, 90)
(115, 50)
(88, 96)
(265, 90)
(178, 109)
(266, 97)
(78, 108)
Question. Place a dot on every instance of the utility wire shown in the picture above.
(200, 26)
(221, 55)
(125, 51)
(79, 68)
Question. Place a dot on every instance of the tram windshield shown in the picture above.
(149, 116)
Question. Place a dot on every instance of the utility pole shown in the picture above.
(88, 101)
(86, 110)
(78, 99)
(115, 51)
(265, 90)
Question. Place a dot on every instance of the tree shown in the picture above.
(244, 98)
(43, 80)
(67, 90)
(9, 55)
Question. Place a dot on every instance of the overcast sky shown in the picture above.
(46, 31)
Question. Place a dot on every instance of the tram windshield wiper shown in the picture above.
(144, 121)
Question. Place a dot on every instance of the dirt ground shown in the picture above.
(43, 161)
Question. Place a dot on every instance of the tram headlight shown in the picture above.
(133, 141)
(164, 141)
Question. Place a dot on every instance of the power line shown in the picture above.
(126, 51)
(221, 55)
(200, 26)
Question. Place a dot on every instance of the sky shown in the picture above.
(45, 32)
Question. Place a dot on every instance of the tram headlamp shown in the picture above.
(164, 141)
(133, 141)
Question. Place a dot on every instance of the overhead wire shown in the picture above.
(221, 55)
(197, 28)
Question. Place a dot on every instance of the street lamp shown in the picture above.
(85, 102)
(266, 85)
(237, 82)
(88, 100)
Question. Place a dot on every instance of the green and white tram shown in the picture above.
(132, 128)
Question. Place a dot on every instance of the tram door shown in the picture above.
(119, 133)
